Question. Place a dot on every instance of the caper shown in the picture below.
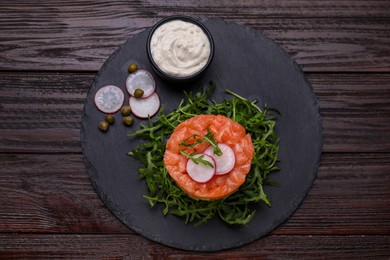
(138, 93)
(128, 120)
(103, 126)
(110, 119)
(132, 68)
(126, 110)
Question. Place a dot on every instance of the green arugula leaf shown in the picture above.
(198, 159)
(194, 136)
(209, 137)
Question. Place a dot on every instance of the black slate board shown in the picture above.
(245, 62)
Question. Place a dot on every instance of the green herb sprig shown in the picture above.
(209, 137)
(236, 209)
(198, 159)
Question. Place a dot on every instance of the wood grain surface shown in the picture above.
(322, 36)
(50, 52)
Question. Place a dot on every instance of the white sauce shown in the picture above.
(180, 48)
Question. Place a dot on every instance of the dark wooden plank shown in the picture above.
(326, 36)
(73, 246)
(52, 193)
(40, 193)
(135, 247)
(266, 8)
(42, 112)
(296, 247)
(41, 140)
(284, 8)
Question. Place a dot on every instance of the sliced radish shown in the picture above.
(141, 79)
(200, 172)
(145, 107)
(109, 99)
(225, 162)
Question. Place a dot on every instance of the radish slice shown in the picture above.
(109, 99)
(200, 172)
(145, 107)
(225, 162)
(141, 79)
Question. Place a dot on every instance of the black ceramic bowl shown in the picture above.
(175, 79)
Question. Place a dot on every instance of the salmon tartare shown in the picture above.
(225, 131)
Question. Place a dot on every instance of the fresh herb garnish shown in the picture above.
(197, 138)
(209, 137)
(198, 159)
(236, 209)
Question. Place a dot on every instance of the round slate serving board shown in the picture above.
(245, 62)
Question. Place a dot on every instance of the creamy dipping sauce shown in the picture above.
(180, 48)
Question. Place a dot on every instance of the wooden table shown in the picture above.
(50, 52)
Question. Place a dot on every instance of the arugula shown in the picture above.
(209, 137)
(198, 159)
(198, 140)
(236, 209)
